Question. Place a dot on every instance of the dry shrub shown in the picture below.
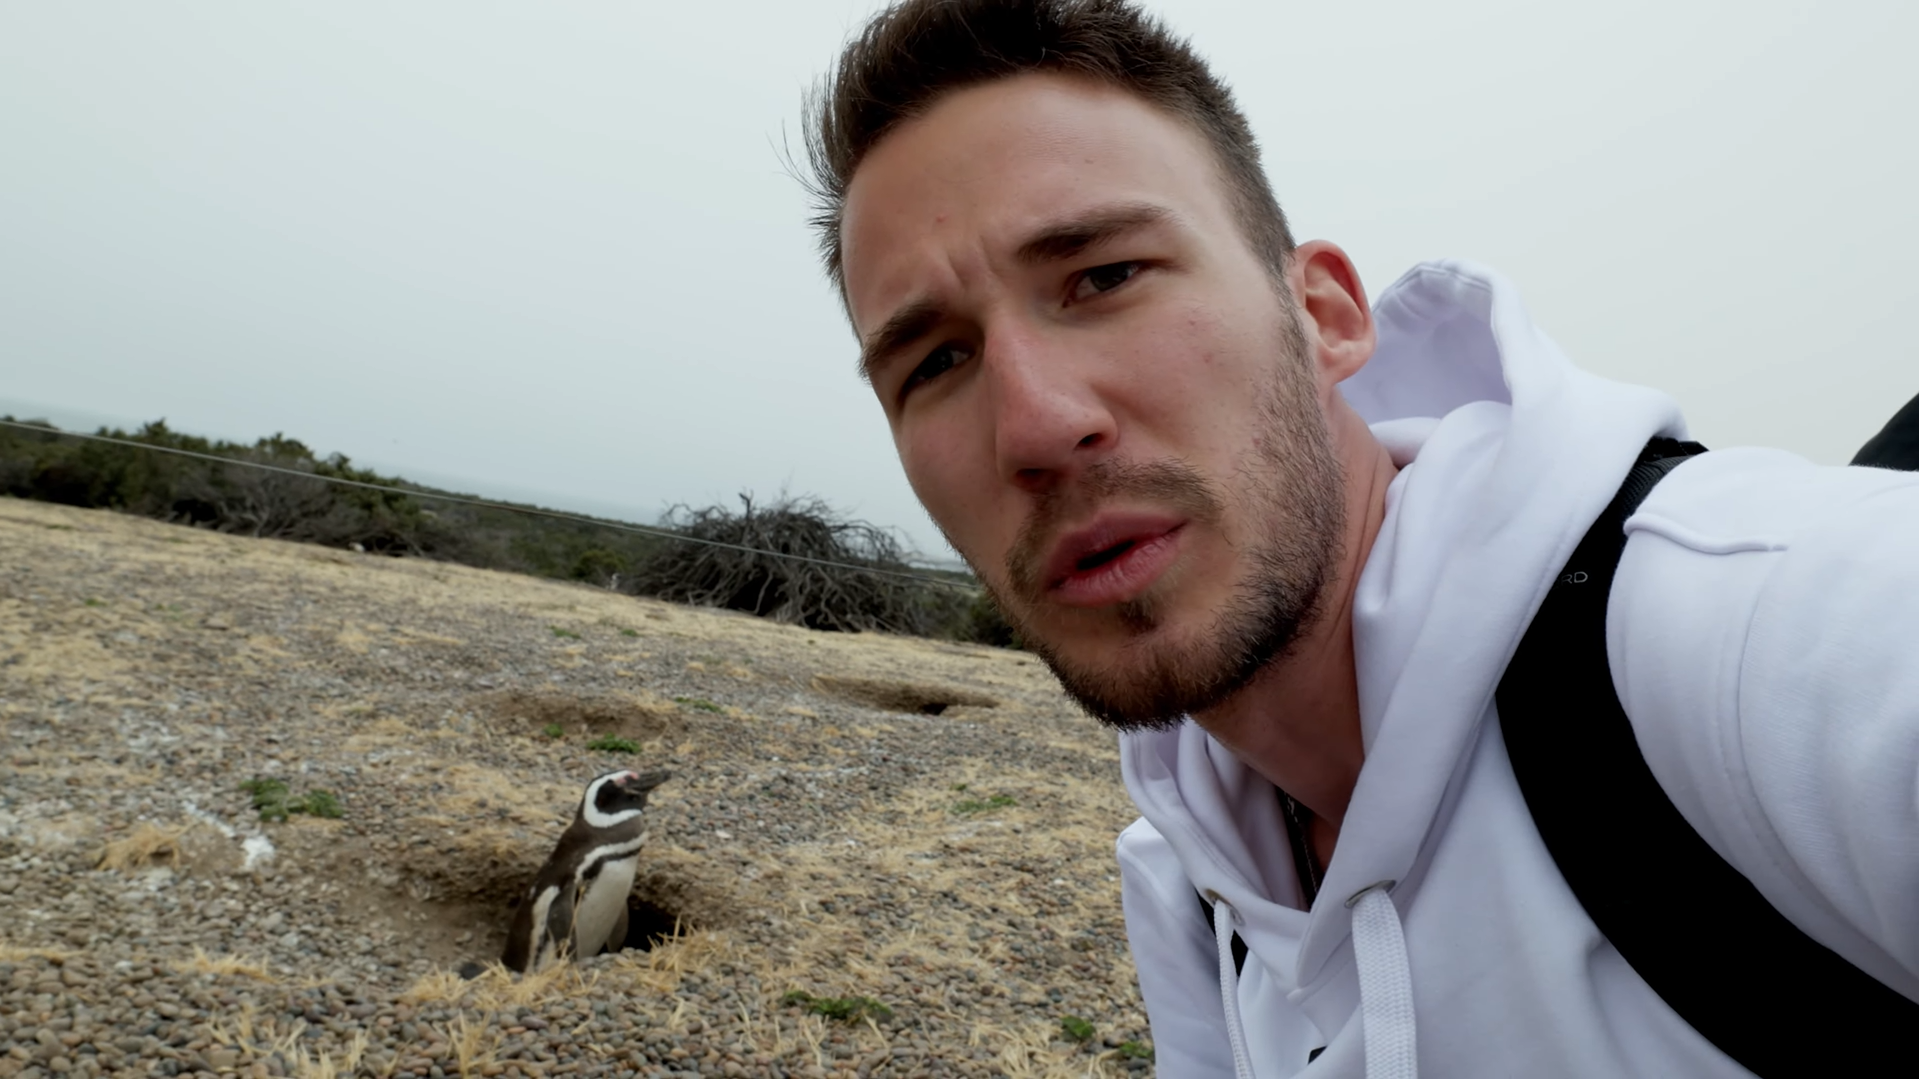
(801, 589)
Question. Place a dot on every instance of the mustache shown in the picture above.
(1170, 484)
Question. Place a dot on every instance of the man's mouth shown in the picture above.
(1114, 560)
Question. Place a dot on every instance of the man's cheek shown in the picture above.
(957, 495)
(933, 477)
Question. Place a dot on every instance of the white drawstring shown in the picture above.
(1385, 984)
(1224, 918)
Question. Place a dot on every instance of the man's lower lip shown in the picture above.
(1120, 579)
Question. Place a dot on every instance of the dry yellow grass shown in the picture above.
(223, 966)
(14, 953)
(149, 844)
(438, 987)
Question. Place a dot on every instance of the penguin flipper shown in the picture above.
(524, 933)
(559, 942)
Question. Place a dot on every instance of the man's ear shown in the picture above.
(1333, 310)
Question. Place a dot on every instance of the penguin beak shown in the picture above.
(640, 782)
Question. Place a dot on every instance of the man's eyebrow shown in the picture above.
(906, 325)
(1068, 238)
(1053, 242)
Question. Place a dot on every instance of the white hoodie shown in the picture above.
(1764, 636)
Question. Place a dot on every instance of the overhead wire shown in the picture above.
(534, 511)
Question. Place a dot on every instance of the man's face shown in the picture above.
(1096, 387)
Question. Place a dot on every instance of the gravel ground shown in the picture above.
(925, 825)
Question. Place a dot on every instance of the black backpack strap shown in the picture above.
(1897, 445)
(1770, 997)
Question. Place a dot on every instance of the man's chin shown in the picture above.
(1148, 665)
(1143, 677)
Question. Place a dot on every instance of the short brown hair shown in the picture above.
(918, 50)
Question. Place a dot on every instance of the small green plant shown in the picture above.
(269, 797)
(845, 1009)
(318, 804)
(275, 803)
(566, 634)
(607, 743)
(979, 805)
(700, 703)
(553, 730)
(959, 786)
(1135, 1050)
(1076, 1028)
(92, 602)
(625, 632)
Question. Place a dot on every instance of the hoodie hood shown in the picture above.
(1507, 452)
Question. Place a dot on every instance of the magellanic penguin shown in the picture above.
(577, 904)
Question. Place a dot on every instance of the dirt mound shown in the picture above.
(551, 714)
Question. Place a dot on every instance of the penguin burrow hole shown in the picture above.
(540, 714)
(649, 919)
(913, 698)
(459, 908)
(647, 923)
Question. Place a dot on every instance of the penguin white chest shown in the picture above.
(603, 904)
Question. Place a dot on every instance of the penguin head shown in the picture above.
(618, 797)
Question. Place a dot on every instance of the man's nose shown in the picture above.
(1050, 418)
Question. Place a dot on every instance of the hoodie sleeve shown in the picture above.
(1174, 952)
(1764, 635)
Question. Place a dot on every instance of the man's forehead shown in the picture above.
(989, 166)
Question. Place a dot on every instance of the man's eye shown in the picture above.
(1103, 279)
(937, 362)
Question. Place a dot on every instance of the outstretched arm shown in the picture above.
(1764, 630)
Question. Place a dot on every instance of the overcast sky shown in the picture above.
(548, 251)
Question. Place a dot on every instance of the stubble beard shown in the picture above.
(1290, 506)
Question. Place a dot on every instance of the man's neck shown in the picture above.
(1297, 721)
